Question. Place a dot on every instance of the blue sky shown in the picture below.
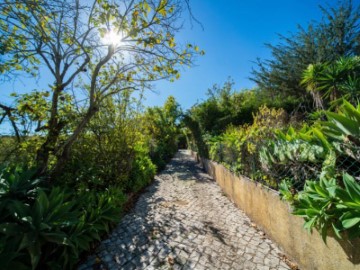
(233, 37)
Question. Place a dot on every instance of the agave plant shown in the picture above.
(343, 128)
(326, 206)
(49, 228)
(18, 183)
(344, 125)
(299, 155)
(35, 225)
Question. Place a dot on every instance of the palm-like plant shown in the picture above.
(311, 80)
(351, 88)
(337, 75)
(333, 81)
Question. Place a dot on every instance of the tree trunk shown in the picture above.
(64, 150)
(54, 127)
(317, 100)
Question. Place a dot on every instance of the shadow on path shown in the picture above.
(183, 221)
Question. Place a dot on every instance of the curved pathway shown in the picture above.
(184, 221)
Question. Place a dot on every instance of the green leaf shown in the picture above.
(348, 223)
(57, 238)
(351, 111)
(309, 225)
(346, 125)
(336, 230)
(321, 191)
(352, 187)
(35, 254)
(312, 212)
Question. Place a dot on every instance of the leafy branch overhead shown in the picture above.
(93, 48)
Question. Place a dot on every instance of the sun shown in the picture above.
(113, 38)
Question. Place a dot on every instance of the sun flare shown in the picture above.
(113, 38)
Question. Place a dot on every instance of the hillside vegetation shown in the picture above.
(74, 154)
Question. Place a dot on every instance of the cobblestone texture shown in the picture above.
(184, 221)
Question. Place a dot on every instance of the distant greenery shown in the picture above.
(225, 106)
(161, 125)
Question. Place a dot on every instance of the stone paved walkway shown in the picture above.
(184, 221)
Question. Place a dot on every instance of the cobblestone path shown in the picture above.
(184, 221)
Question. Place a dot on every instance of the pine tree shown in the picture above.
(336, 35)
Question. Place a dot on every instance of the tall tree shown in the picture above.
(95, 48)
(337, 35)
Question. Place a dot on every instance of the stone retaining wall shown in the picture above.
(273, 216)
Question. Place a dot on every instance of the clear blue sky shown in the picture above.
(233, 37)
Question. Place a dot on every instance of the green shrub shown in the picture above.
(324, 149)
(98, 160)
(17, 183)
(238, 147)
(162, 152)
(328, 203)
(325, 205)
(298, 155)
(40, 225)
(142, 172)
(162, 131)
(49, 228)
